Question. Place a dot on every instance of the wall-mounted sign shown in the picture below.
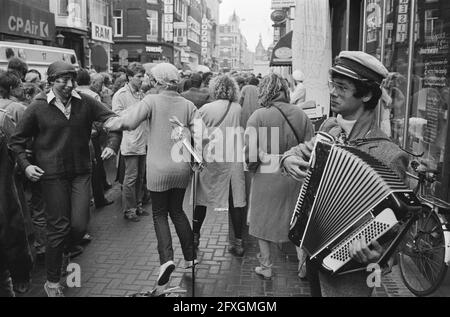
(154, 49)
(22, 20)
(283, 53)
(280, 4)
(278, 16)
(101, 33)
(168, 20)
(402, 21)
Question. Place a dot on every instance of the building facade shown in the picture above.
(140, 34)
(71, 19)
(100, 37)
(27, 22)
(232, 45)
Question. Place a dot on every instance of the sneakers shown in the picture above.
(131, 216)
(188, 264)
(237, 248)
(164, 273)
(53, 290)
(264, 271)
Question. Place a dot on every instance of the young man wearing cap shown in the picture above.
(355, 91)
(59, 124)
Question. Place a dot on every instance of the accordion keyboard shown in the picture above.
(371, 231)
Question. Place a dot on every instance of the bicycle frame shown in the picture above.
(435, 205)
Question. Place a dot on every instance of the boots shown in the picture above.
(237, 248)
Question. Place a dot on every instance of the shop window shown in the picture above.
(428, 122)
(396, 57)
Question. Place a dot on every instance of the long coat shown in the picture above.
(14, 250)
(214, 181)
(273, 196)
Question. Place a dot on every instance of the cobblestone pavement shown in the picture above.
(123, 260)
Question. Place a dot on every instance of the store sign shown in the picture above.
(278, 16)
(204, 40)
(280, 4)
(402, 21)
(168, 20)
(283, 53)
(22, 20)
(153, 49)
(101, 33)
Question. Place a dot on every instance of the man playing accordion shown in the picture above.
(355, 89)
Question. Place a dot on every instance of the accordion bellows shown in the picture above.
(347, 195)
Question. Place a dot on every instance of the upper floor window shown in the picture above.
(118, 22)
(152, 17)
(99, 12)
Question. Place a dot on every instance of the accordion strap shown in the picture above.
(360, 142)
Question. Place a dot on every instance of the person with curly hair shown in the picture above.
(270, 211)
(222, 183)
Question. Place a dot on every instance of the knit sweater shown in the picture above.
(61, 146)
(163, 172)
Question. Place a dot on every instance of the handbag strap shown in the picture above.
(224, 115)
(287, 120)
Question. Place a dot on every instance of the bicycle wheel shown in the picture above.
(422, 255)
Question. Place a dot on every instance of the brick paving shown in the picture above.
(123, 260)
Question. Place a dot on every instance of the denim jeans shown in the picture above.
(37, 209)
(67, 211)
(132, 192)
(171, 203)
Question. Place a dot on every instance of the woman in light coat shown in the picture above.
(222, 183)
(273, 196)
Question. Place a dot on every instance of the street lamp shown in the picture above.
(60, 39)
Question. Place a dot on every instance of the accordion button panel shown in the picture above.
(371, 231)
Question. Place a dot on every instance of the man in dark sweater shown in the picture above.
(60, 124)
(196, 95)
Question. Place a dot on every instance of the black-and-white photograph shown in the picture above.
(224, 149)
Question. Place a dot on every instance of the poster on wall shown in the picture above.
(374, 23)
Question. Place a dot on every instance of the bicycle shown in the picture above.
(424, 255)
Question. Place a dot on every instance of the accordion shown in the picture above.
(348, 195)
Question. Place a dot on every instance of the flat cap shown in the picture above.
(360, 66)
(60, 68)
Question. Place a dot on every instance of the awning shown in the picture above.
(282, 53)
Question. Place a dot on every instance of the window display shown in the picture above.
(430, 91)
(430, 94)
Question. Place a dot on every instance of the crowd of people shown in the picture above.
(55, 136)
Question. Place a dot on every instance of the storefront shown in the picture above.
(26, 24)
(412, 39)
(100, 47)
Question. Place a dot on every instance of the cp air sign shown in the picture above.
(24, 21)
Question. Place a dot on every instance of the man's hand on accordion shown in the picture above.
(297, 164)
(362, 253)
